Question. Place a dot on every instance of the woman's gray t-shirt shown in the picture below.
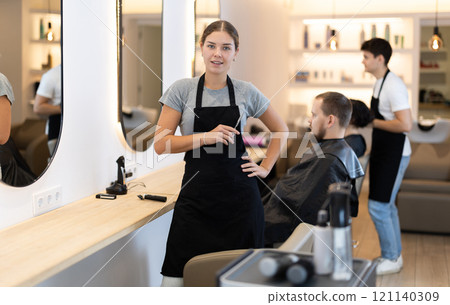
(6, 89)
(181, 96)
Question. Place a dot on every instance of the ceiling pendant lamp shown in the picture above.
(49, 35)
(435, 43)
(333, 43)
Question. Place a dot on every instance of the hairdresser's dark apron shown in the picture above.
(385, 157)
(219, 207)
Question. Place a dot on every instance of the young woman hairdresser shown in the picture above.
(219, 206)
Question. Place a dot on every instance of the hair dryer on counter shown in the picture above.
(119, 187)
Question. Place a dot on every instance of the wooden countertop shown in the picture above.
(40, 247)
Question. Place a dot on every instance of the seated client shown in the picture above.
(13, 167)
(301, 192)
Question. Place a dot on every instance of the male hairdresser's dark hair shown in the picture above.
(361, 115)
(338, 105)
(378, 46)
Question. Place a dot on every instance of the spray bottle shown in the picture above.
(322, 252)
(340, 221)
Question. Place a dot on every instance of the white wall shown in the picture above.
(92, 140)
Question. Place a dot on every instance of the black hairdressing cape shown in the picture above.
(301, 192)
(14, 168)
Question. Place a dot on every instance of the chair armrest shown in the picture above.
(300, 240)
(364, 161)
(200, 271)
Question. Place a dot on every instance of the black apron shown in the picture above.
(385, 157)
(220, 208)
(54, 126)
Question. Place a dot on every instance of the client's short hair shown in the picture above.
(361, 115)
(338, 105)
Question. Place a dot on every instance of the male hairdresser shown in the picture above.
(390, 153)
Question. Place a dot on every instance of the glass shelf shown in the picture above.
(339, 51)
(335, 85)
(38, 71)
(44, 41)
(425, 70)
(42, 11)
(331, 85)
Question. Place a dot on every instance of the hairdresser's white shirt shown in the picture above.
(393, 98)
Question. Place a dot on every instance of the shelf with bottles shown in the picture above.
(311, 33)
(339, 51)
(42, 22)
(342, 70)
(305, 95)
(309, 51)
(43, 53)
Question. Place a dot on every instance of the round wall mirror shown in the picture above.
(30, 59)
(140, 69)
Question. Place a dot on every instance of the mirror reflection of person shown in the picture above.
(219, 206)
(6, 100)
(48, 103)
(13, 168)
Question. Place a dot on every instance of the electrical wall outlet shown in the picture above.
(47, 200)
(130, 171)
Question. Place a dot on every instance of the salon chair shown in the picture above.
(200, 271)
(423, 200)
(31, 141)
